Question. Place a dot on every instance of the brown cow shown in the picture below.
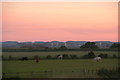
(37, 60)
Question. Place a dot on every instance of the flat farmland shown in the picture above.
(57, 68)
(55, 53)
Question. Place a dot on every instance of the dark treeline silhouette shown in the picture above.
(88, 46)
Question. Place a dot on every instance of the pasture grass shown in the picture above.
(72, 68)
(59, 68)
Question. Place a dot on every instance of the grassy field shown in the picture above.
(58, 68)
(54, 53)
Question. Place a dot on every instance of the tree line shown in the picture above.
(89, 46)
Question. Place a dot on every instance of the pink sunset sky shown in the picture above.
(60, 21)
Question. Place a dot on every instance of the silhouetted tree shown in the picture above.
(65, 56)
(90, 45)
(89, 55)
(103, 55)
(49, 57)
(63, 48)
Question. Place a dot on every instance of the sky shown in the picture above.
(60, 21)
(60, 0)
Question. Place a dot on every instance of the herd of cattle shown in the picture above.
(58, 57)
(95, 58)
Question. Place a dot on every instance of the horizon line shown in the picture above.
(60, 41)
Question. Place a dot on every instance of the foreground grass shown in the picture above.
(59, 68)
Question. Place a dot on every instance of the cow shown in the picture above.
(37, 60)
(24, 59)
(97, 59)
(60, 56)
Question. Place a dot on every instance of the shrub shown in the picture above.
(11, 58)
(89, 55)
(104, 73)
(103, 55)
(49, 57)
(65, 56)
(63, 48)
(73, 56)
(114, 56)
(36, 57)
(85, 56)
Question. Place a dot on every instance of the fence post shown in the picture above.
(3, 75)
(17, 74)
(96, 71)
(84, 70)
(88, 71)
(92, 71)
(32, 75)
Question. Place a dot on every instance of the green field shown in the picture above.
(68, 68)
(55, 53)
(58, 68)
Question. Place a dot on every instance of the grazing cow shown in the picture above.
(60, 56)
(37, 60)
(24, 59)
(97, 59)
